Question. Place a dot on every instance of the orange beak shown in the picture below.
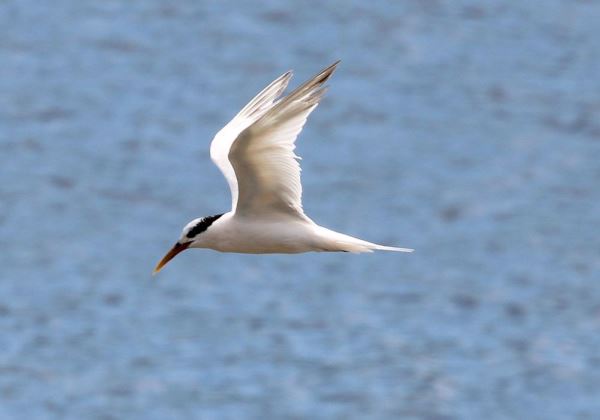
(177, 248)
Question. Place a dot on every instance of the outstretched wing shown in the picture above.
(262, 156)
(221, 144)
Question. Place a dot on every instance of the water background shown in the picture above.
(467, 130)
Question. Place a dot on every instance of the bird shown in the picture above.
(255, 153)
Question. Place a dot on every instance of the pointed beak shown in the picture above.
(177, 248)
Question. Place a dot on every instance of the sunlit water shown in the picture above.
(466, 130)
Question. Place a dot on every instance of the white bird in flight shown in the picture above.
(255, 152)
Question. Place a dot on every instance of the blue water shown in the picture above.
(467, 130)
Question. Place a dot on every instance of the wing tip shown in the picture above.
(312, 91)
(325, 73)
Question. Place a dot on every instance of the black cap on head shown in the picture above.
(202, 225)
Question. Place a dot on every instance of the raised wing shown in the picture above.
(221, 144)
(263, 158)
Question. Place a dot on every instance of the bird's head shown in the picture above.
(190, 237)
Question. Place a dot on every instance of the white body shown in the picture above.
(232, 233)
(255, 153)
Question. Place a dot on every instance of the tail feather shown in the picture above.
(335, 241)
(359, 246)
(392, 248)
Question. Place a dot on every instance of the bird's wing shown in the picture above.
(263, 158)
(221, 144)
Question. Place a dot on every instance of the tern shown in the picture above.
(255, 153)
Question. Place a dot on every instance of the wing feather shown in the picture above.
(262, 156)
(221, 144)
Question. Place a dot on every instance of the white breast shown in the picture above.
(254, 236)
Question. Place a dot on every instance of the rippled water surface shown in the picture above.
(467, 130)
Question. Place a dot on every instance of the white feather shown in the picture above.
(221, 144)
